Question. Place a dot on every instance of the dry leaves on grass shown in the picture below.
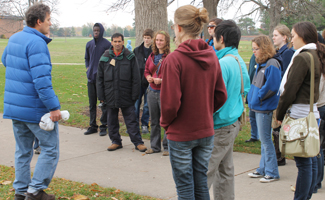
(79, 197)
(5, 183)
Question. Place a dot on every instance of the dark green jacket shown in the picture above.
(119, 85)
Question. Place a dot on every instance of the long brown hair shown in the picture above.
(216, 21)
(308, 32)
(166, 49)
(266, 48)
(285, 31)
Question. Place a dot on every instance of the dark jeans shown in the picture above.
(145, 112)
(306, 179)
(320, 159)
(130, 122)
(155, 134)
(92, 95)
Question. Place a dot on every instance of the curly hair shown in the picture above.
(166, 49)
(266, 48)
(36, 12)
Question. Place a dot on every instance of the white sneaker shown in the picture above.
(255, 175)
(268, 179)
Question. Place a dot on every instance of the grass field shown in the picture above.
(70, 84)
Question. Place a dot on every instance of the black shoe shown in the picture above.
(281, 161)
(251, 140)
(102, 132)
(40, 196)
(19, 197)
(90, 130)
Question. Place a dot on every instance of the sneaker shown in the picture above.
(90, 130)
(40, 196)
(251, 140)
(37, 150)
(268, 179)
(165, 153)
(102, 132)
(141, 148)
(19, 197)
(255, 175)
(113, 147)
(293, 188)
(150, 151)
(144, 129)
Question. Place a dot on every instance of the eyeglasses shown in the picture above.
(255, 49)
(211, 26)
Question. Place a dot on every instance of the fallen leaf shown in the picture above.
(6, 182)
(79, 197)
(117, 191)
(93, 184)
(114, 198)
(12, 189)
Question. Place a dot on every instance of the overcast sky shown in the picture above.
(79, 12)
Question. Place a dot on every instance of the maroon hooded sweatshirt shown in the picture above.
(192, 89)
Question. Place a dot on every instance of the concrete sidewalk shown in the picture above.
(85, 159)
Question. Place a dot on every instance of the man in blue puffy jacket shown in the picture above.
(94, 50)
(28, 96)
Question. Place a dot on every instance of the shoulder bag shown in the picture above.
(300, 137)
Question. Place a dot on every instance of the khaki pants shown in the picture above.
(221, 166)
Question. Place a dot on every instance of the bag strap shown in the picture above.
(241, 74)
(312, 82)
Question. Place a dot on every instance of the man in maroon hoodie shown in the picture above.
(192, 89)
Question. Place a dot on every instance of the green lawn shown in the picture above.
(70, 84)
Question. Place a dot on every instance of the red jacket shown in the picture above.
(150, 70)
(192, 90)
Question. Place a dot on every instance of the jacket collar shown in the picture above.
(36, 32)
(227, 50)
(283, 48)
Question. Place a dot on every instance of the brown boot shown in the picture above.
(141, 148)
(40, 196)
(113, 147)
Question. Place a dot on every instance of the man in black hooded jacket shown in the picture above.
(94, 50)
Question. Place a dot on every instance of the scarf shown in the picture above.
(284, 79)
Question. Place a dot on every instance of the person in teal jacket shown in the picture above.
(226, 124)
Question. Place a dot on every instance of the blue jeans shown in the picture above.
(252, 120)
(320, 171)
(25, 134)
(189, 161)
(306, 179)
(268, 162)
(145, 112)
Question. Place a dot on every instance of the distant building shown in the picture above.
(10, 25)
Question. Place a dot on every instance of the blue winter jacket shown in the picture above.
(286, 55)
(233, 108)
(94, 50)
(28, 89)
(265, 85)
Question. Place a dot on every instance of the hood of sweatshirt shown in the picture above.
(199, 51)
(102, 30)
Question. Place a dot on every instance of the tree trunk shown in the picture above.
(149, 14)
(211, 6)
(275, 15)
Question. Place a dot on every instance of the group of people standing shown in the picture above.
(194, 93)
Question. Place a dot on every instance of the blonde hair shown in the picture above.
(166, 49)
(191, 19)
(266, 48)
(284, 31)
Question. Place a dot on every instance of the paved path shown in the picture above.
(85, 158)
